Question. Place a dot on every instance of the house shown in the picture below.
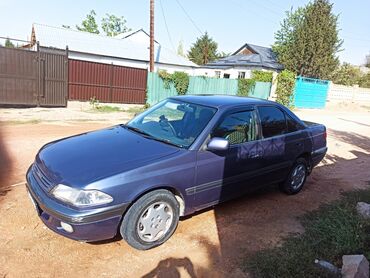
(129, 49)
(241, 63)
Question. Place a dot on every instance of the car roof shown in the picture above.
(221, 100)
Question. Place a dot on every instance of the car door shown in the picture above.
(280, 147)
(221, 175)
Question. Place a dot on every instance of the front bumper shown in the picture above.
(92, 224)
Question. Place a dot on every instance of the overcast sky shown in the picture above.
(231, 23)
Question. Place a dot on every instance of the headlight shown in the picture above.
(80, 198)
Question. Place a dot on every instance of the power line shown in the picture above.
(165, 22)
(189, 17)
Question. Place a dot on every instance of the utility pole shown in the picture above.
(151, 58)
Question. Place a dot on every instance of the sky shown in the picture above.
(230, 23)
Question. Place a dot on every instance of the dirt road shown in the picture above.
(209, 244)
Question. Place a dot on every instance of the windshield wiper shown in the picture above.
(138, 130)
(149, 136)
(166, 141)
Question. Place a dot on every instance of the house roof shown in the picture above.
(79, 41)
(260, 57)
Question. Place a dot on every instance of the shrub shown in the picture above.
(285, 88)
(181, 82)
(179, 79)
(262, 76)
(244, 86)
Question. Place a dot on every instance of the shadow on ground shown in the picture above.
(5, 166)
(261, 219)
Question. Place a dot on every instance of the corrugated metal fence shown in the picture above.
(310, 93)
(107, 83)
(156, 90)
(32, 78)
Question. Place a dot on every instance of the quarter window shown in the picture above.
(272, 121)
(238, 128)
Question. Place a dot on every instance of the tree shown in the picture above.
(204, 50)
(66, 26)
(346, 75)
(113, 25)
(8, 43)
(367, 63)
(89, 24)
(308, 42)
(180, 49)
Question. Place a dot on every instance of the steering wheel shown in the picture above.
(163, 121)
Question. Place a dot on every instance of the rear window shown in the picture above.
(273, 121)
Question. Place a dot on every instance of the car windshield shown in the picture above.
(173, 122)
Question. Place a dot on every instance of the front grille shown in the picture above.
(41, 179)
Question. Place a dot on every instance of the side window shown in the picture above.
(238, 128)
(272, 121)
(292, 124)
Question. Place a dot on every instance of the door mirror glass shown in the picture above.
(218, 144)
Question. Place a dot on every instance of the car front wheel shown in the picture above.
(151, 220)
(297, 177)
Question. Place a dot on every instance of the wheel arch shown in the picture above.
(178, 195)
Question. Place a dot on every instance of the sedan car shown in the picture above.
(182, 155)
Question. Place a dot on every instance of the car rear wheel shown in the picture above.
(151, 220)
(296, 178)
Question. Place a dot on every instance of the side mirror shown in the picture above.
(218, 144)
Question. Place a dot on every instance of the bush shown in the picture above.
(179, 79)
(347, 75)
(244, 86)
(181, 82)
(262, 76)
(364, 81)
(285, 88)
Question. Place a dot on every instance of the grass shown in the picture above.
(136, 109)
(331, 231)
(107, 109)
(17, 122)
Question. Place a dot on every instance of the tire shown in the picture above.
(300, 171)
(151, 220)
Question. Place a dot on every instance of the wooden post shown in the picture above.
(151, 58)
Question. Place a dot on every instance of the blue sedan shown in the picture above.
(182, 155)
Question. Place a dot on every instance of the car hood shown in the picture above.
(82, 159)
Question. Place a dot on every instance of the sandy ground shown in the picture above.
(212, 243)
(75, 112)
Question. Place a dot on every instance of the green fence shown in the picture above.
(261, 90)
(156, 90)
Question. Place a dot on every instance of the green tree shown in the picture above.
(308, 42)
(113, 25)
(204, 50)
(364, 81)
(347, 75)
(8, 43)
(89, 24)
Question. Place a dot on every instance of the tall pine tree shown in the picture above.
(308, 41)
(204, 50)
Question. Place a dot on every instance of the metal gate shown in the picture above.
(106, 82)
(33, 78)
(310, 92)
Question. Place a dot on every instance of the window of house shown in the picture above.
(238, 128)
(272, 121)
(218, 74)
(226, 75)
(241, 74)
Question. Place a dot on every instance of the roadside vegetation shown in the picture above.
(333, 230)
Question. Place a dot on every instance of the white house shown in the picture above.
(129, 49)
(241, 63)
